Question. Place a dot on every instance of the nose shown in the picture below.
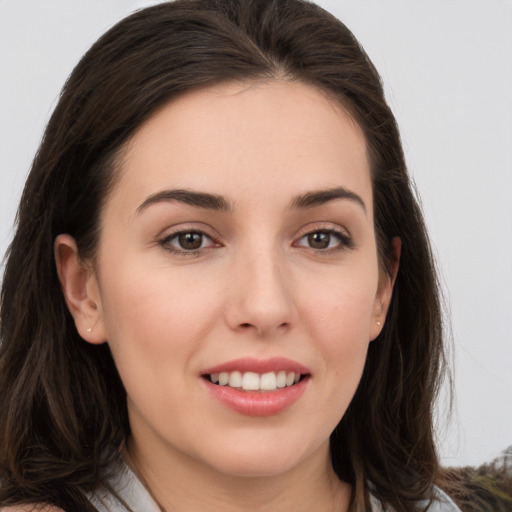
(261, 299)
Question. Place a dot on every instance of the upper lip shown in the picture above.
(250, 364)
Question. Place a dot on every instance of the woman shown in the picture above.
(211, 299)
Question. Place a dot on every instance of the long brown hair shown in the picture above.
(62, 405)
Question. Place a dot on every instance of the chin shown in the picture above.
(261, 458)
(257, 466)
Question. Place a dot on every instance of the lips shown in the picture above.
(249, 364)
(257, 387)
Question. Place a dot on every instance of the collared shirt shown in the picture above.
(126, 493)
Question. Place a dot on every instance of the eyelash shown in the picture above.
(166, 242)
(344, 241)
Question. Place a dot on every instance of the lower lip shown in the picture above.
(258, 403)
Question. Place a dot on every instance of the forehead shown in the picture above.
(272, 138)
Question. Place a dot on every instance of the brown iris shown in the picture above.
(190, 241)
(319, 240)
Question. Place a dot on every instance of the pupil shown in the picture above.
(190, 241)
(319, 240)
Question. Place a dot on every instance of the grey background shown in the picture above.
(447, 70)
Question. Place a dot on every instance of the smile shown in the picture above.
(251, 381)
(255, 387)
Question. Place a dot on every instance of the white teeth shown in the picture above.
(235, 380)
(251, 381)
(281, 379)
(268, 381)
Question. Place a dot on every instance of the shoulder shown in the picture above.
(440, 502)
(123, 491)
(443, 502)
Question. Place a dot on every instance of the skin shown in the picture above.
(256, 288)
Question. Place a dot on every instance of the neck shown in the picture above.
(179, 482)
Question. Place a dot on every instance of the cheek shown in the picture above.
(152, 313)
(339, 308)
(342, 334)
(338, 319)
(156, 324)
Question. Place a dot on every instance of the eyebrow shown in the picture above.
(219, 203)
(320, 197)
(198, 199)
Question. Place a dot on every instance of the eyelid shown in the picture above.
(313, 227)
(343, 235)
(186, 227)
(167, 235)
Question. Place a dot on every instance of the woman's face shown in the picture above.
(239, 245)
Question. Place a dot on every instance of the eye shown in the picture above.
(325, 239)
(187, 242)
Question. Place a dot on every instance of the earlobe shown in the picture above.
(80, 288)
(385, 290)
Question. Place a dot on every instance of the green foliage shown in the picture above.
(487, 488)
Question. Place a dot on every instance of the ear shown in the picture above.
(80, 288)
(385, 290)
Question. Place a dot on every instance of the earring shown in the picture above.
(89, 329)
(378, 323)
